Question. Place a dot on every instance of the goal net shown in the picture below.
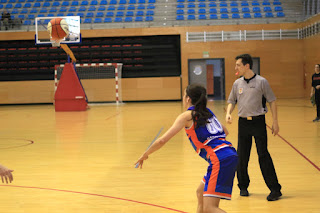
(101, 81)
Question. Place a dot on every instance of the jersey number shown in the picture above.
(214, 126)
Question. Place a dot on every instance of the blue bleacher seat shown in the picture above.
(60, 14)
(256, 9)
(37, 4)
(128, 19)
(80, 14)
(223, 10)
(84, 3)
(103, 2)
(191, 11)
(244, 4)
(138, 19)
(53, 10)
(65, 4)
(97, 20)
(107, 20)
(24, 11)
(21, 16)
(101, 8)
(151, 1)
(149, 18)
(82, 9)
(34, 10)
(258, 15)
(113, 2)
(119, 14)
(46, 21)
(18, 5)
(246, 15)
(12, 1)
(180, 5)
(179, 17)
(132, 1)
(180, 0)
(280, 14)
(123, 2)
(150, 13)
(223, 4)
(265, 3)
(141, 1)
(131, 7)
(30, 0)
(267, 9)
(89, 14)
(191, 17)
(234, 4)
(246, 10)
(212, 10)
(22, 1)
(40, 15)
(92, 8)
(43, 10)
(255, 3)
(224, 16)
(202, 11)
(141, 13)
(56, 4)
(235, 15)
(27, 22)
(110, 14)
(191, 0)
(151, 7)
(14, 11)
(201, 5)
(72, 9)
(87, 21)
(234, 10)
(63, 9)
(141, 7)
(212, 4)
(94, 2)
(111, 7)
(100, 14)
(70, 14)
(46, 4)
(276, 3)
(213, 16)
(269, 15)
(191, 5)
(129, 13)
(202, 17)
(118, 19)
(121, 7)
(9, 6)
(278, 8)
(31, 16)
(74, 3)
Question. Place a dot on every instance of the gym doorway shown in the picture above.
(211, 74)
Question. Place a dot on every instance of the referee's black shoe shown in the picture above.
(273, 196)
(317, 119)
(244, 193)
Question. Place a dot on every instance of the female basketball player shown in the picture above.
(315, 90)
(5, 174)
(207, 136)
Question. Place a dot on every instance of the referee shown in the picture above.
(251, 92)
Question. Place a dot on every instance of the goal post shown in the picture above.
(101, 81)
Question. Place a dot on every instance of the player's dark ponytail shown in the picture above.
(198, 96)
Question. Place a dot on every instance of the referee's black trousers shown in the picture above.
(257, 129)
(317, 99)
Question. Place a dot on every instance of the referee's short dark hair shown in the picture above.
(246, 59)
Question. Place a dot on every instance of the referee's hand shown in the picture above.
(275, 128)
(228, 119)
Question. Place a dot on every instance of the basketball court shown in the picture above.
(84, 161)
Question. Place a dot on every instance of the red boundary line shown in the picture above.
(313, 164)
(106, 196)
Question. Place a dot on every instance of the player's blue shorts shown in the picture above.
(218, 181)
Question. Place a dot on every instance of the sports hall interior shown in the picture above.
(84, 161)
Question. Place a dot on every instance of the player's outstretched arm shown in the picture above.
(6, 174)
(179, 123)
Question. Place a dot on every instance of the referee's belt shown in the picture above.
(250, 118)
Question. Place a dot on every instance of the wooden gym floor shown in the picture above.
(81, 162)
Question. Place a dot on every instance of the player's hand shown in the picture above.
(6, 174)
(140, 161)
(318, 87)
(275, 128)
(228, 119)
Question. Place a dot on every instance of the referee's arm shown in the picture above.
(275, 125)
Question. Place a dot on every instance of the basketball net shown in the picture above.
(56, 43)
